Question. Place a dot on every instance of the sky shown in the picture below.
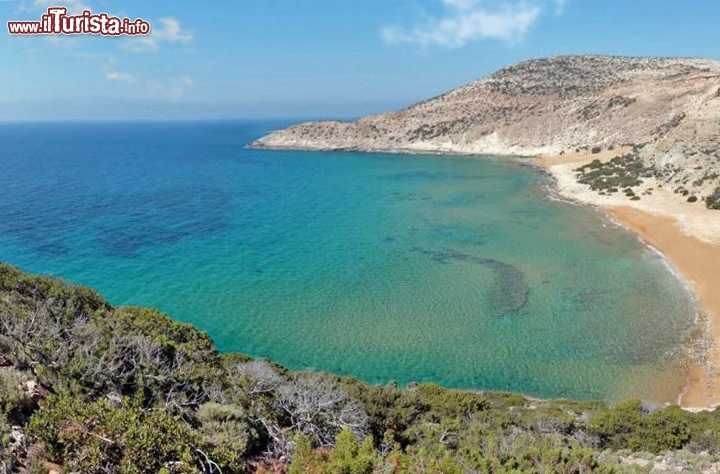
(314, 58)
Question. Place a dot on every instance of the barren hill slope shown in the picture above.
(552, 106)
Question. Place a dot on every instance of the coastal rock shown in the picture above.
(564, 104)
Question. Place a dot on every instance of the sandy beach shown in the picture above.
(687, 234)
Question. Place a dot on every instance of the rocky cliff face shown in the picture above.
(551, 106)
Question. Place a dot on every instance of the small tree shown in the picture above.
(349, 457)
(304, 459)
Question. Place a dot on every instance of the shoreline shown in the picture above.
(686, 235)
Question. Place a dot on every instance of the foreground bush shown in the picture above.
(97, 389)
(101, 437)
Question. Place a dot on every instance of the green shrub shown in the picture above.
(100, 437)
(74, 337)
(304, 459)
(13, 400)
(229, 429)
(349, 457)
(623, 171)
(713, 201)
(617, 425)
(628, 426)
(6, 459)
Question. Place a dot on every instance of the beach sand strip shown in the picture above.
(686, 234)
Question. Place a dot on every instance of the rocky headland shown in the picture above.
(559, 105)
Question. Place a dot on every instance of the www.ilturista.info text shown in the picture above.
(57, 22)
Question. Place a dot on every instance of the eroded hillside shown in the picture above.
(553, 106)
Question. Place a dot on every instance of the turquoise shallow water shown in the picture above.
(459, 271)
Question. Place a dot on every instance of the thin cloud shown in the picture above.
(120, 76)
(170, 31)
(472, 20)
(167, 30)
(559, 6)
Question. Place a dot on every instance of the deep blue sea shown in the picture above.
(456, 270)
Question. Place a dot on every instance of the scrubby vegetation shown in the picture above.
(88, 388)
(713, 201)
(622, 172)
(626, 173)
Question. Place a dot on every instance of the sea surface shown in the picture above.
(457, 270)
